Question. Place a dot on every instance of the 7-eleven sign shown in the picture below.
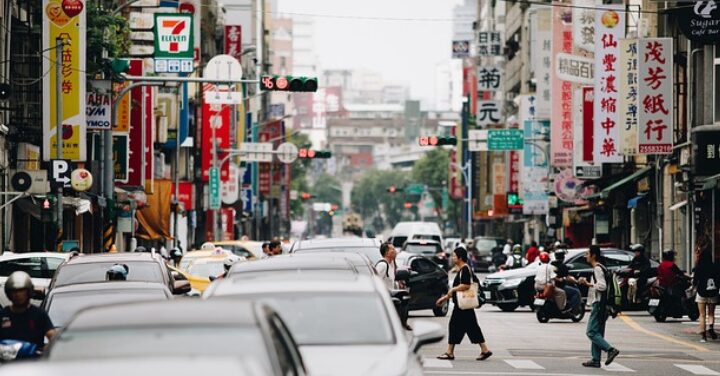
(173, 36)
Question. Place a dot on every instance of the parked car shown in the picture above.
(404, 231)
(184, 328)
(431, 249)
(41, 267)
(513, 288)
(295, 263)
(249, 249)
(142, 266)
(360, 261)
(341, 322)
(62, 303)
(483, 250)
(428, 282)
(367, 246)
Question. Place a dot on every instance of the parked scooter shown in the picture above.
(11, 350)
(673, 302)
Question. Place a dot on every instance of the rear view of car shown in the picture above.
(428, 248)
(482, 251)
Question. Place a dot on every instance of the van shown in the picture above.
(404, 231)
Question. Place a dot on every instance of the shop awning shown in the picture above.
(678, 205)
(633, 202)
(633, 177)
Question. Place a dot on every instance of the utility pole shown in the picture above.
(58, 136)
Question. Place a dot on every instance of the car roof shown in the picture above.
(85, 258)
(346, 255)
(422, 241)
(181, 312)
(282, 283)
(350, 242)
(293, 262)
(12, 256)
(110, 285)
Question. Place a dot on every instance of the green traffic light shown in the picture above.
(120, 66)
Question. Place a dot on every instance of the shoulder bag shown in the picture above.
(468, 299)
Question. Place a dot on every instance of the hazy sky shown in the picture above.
(404, 52)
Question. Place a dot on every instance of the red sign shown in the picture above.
(139, 174)
(227, 224)
(233, 41)
(588, 123)
(186, 194)
(514, 171)
(215, 126)
(271, 132)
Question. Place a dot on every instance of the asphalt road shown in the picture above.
(523, 346)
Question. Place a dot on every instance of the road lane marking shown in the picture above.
(616, 367)
(635, 326)
(436, 363)
(523, 364)
(697, 370)
(495, 373)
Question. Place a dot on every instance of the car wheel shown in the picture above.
(443, 310)
(660, 317)
(508, 307)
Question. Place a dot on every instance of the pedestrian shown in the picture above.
(386, 268)
(462, 321)
(532, 252)
(705, 280)
(22, 321)
(275, 248)
(597, 299)
(266, 250)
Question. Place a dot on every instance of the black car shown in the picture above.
(431, 249)
(428, 282)
(513, 288)
(482, 250)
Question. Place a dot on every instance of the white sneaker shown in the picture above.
(703, 340)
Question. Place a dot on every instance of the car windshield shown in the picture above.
(485, 245)
(373, 253)
(95, 272)
(334, 319)
(422, 249)
(64, 305)
(151, 342)
(207, 269)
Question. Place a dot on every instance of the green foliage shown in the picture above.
(370, 197)
(298, 174)
(105, 31)
(432, 170)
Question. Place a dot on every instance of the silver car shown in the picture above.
(343, 323)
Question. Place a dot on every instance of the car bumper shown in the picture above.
(499, 296)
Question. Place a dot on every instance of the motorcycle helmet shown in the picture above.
(117, 272)
(544, 257)
(176, 254)
(560, 254)
(638, 248)
(668, 255)
(18, 281)
(517, 249)
(207, 246)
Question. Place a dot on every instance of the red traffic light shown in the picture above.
(311, 153)
(281, 83)
(433, 140)
(392, 189)
(306, 196)
(408, 205)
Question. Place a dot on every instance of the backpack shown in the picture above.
(387, 270)
(517, 261)
(613, 295)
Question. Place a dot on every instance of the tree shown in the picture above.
(432, 170)
(298, 174)
(371, 199)
(326, 189)
(105, 31)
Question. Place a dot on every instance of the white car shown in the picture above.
(40, 265)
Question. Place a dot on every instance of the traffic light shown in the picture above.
(437, 140)
(289, 83)
(120, 66)
(310, 153)
(408, 205)
(306, 196)
(394, 189)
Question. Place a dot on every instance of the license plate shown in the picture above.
(487, 294)
(539, 302)
(654, 302)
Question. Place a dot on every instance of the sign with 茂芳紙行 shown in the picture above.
(655, 96)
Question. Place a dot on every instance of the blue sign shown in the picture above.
(535, 151)
(246, 196)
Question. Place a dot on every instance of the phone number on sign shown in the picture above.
(648, 149)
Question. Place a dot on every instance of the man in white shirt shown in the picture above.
(386, 266)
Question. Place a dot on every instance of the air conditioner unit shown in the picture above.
(33, 182)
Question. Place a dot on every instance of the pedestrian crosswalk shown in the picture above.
(512, 364)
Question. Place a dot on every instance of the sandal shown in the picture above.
(484, 356)
(446, 356)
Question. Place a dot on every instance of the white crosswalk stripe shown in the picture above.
(697, 369)
(616, 367)
(436, 363)
(523, 364)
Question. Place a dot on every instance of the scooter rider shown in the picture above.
(668, 272)
(640, 267)
(564, 280)
(23, 321)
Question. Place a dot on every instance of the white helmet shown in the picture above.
(207, 246)
(18, 281)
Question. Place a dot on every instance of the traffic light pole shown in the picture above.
(58, 137)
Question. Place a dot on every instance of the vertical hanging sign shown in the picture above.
(542, 64)
(609, 29)
(655, 91)
(628, 96)
(561, 114)
(64, 20)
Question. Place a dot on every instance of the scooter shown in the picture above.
(636, 303)
(11, 350)
(546, 309)
(673, 302)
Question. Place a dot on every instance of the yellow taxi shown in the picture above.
(251, 250)
(199, 266)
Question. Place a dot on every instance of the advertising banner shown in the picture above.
(490, 78)
(215, 127)
(123, 108)
(583, 17)
(98, 105)
(267, 175)
(628, 96)
(186, 194)
(142, 125)
(489, 112)
(490, 43)
(174, 42)
(575, 69)
(561, 110)
(655, 91)
(542, 61)
(233, 41)
(64, 20)
(699, 22)
(609, 29)
(583, 166)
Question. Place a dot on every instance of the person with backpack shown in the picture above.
(705, 280)
(386, 269)
(598, 300)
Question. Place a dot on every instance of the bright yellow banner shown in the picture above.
(123, 109)
(64, 20)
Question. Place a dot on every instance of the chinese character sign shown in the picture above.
(65, 21)
(489, 43)
(489, 112)
(561, 111)
(233, 41)
(489, 78)
(542, 53)
(583, 17)
(628, 96)
(575, 69)
(609, 29)
(655, 96)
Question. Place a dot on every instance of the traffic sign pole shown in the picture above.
(58, 137)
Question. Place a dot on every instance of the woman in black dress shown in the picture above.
(462, 321)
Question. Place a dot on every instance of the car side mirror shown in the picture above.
(38, 293)
(181, 287)
(425, 333)
(179, 276)
(402, 275)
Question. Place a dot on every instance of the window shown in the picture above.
(29, 265)
(422, 266)
(617, 259)
(580, 263)
(52, 265)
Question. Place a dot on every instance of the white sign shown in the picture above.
(257, 151)
(490, 43)
(173, 66)
(489, 112)
(574, 68)
(609, 29)
(141, 21)
(230, 189)
(287, 152)
(655, 96)
(97, 109)
(477, 140)
(322, 207)
(174, 34)
(542, 62)
(628, 93)
(583, 16)
(489, 78)
(81, 180)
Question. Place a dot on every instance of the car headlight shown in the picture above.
(511, 283)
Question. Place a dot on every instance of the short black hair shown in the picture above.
(668, 255)
(274, 243)
(596, 252)
(266, 244)
(384, 247)
(461, 253)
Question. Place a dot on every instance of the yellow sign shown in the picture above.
(123, 109)
(64, 20)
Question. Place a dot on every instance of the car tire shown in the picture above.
(442, 311)
(508, 307)
(660, 317)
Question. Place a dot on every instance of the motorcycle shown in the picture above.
(630, 301)
(673, 302)
(11, 350)
(546, 309)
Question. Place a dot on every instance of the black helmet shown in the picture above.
(117, 272)
(668, 255)
(638, 248)
(18, 281)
